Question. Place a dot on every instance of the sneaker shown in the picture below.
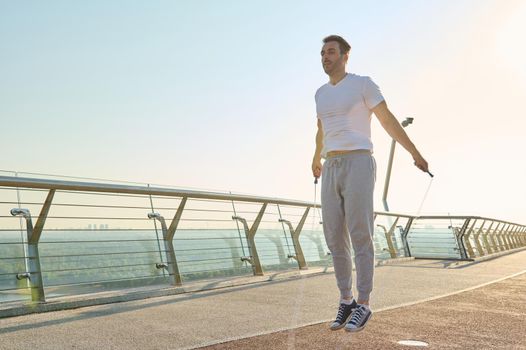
(359, 319)
(344, 311)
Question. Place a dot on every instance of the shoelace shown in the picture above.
(341, 310)
(357, 315)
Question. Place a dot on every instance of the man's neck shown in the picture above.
(337, 77)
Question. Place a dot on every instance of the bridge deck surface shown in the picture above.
(489, 316)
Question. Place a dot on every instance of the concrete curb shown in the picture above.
(394, 261)
(479, 259)
(499, 254)
(18, 309)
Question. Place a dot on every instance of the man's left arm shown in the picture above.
(395, 130)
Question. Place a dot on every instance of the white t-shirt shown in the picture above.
(345, 111)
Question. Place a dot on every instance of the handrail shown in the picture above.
(10, 181)
(462, 217)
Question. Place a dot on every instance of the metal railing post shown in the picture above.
(509, 234)
(485, 238)
(513, 237)
(500, 237)
(388, 237)
(460, 239)
(476, 236)
(250, 233)
(404, 237)
(168, 235)
(505, 243)
(467, 243)
(295, 234)
(518, 236)
(521, 237)
(34, 275)
(492, 238)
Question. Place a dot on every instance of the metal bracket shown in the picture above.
(250, 233)
(388, 237)
(175, 222)
(171, 264)
(295, 234)
(161, 266)
(247, 259)
(25, 275)
(33, 237)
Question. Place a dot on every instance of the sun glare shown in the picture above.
(510, 40)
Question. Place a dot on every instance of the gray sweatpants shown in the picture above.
(348, 216)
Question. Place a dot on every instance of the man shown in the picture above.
(344, 107)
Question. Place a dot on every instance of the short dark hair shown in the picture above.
(344, 45)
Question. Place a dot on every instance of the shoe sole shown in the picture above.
(339, 327)
(354, 330)
(342, 325)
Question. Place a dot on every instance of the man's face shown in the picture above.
(331, 59)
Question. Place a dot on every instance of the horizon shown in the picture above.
(161, 93)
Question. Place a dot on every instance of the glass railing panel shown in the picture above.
(12, 262)
(208, 243)
(100, 259)
(210, 253)
(383, 224)
(314, 247)
(275, 250)
(274, 241)
(435, 238)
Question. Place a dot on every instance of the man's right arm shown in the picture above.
(316, 160)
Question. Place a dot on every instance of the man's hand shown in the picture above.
(316, 167)
(420, 162)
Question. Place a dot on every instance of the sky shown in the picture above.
(219, 95)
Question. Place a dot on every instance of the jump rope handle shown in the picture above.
(430, 174)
